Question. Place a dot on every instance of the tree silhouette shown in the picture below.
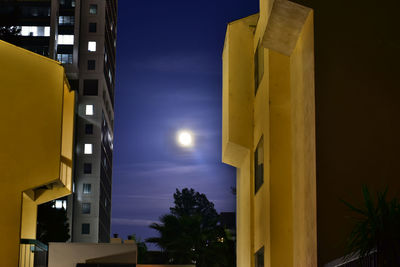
(191, 233)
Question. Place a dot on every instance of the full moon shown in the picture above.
(185, 138)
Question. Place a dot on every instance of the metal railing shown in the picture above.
(355, 261)
(32, 253)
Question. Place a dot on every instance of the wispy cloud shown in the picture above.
(179, 62)
(135, 222)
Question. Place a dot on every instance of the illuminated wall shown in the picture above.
(37, 117)
(268, 118)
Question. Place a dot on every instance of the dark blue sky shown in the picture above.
(169, 78)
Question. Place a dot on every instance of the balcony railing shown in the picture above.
(32, 253)
(355, 261)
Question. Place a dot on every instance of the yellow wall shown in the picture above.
(281, 217)
(36, 111)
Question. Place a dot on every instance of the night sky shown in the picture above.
(169, 77)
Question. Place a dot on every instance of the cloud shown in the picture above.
(180, 63)
(135, 222)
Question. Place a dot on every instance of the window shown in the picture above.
(85, 229)
(258, 66)
(87, 188)
(88, 128)
(64, 58)
(35, 31)
(90, 87)
(60, 204)
(66, 20)
(88, 149)
(91, 64)
(93, 9)
(259, 165)
(92, 27)
(89, 110)
(85, 208)
(66, 39)
(87, 168)
(92, 46)
(259, 258)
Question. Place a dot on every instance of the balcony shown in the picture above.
(32, 253)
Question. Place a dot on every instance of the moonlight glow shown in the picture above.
(185, 138)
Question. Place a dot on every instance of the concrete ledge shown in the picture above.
(284, 26)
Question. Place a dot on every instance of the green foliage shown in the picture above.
(191, 233)
(52, 224)
(142, 248)
(377, 227)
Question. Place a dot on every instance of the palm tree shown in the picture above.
(377, 227)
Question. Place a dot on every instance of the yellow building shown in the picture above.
(37, 118)
(302, 137)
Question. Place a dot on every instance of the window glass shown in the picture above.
(92, 46)
(88, 149)
(85, 208)
(66, 20)
(85, 229)
(92, 27)
(259, 258)
(89, 110)
(87, 168)
(87, 188)
(88, 128)
(90, 87)
(35, 30)
(259, 165)
(91, 64)
(66, 39)
(93, 9)
(64, 58)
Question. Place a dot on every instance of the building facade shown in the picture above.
(82, 36)
(303, 135)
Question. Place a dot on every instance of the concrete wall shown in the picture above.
(281, 216)
(37, 112)
(69, 254)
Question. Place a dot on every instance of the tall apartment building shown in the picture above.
(81, 34)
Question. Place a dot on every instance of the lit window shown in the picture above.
(64, 58)
(85, 208)
(88, 149)
(60, 204)
(87, 188)
(35, 31)
(92, 46)
(85, 229)
(259, 165)
(66, 39)
(89, 110)
(66, 20)
(93, 9)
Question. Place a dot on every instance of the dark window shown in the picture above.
(87, 168)
(85, 208)
(93, 9)
(87, 188)
(88, 128)
(91, 64)
(92, 27)
(74, 84)
(259, 165)
(85, 228)
(90, 87)
(259, 258)
(258, 66)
